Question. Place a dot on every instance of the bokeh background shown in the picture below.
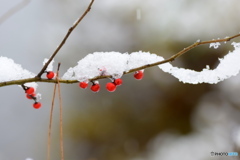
(152, 119)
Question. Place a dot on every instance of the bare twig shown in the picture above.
(65, 38)
(60, 114)
(51, 115)
(36, 79)
(13, 10)
(50, 123)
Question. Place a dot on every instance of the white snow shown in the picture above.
(9, 71)
(115, 63)
(108, 63)
(96, 64)
(235, 45)
(138, 59)
(214, 45)
(50, 66)
(228, 67)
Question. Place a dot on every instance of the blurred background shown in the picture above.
(152, 119)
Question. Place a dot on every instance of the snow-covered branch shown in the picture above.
(113, 65)
(101, 65)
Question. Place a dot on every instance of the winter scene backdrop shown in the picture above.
(184, 109)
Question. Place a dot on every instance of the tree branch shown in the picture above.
(183, 51)
(64, 39)
(36, 79)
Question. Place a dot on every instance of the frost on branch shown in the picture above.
(9, 71)
(96, 64)
(228, 67)
(115, 63)
(108, 63)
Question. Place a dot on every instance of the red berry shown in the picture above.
(50, 75)
(118, 82)
(83, 85)
(138, 75)
(37, 105)
(30, 90)
(30, 96)
(95, 87)
(111, 87)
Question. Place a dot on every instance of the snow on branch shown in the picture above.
(112, 64)
(228, 67)
(101, 65)
(9, 71)
(115, 64)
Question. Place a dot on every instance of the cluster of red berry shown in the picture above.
(30, 91)
(30, 94)
(110, 86)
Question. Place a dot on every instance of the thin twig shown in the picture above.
(13, 10)
(172, 58)
(64, 39)
(50, 123)
(60, 116)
